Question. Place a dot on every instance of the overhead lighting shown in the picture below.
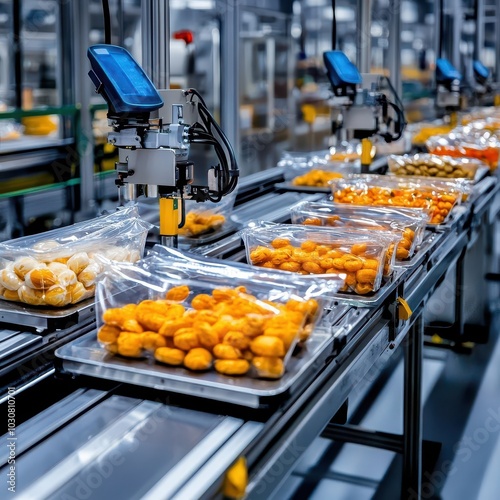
(407, 36)
(342, 14)
(200, 4)
(315, 3)
(376, 30)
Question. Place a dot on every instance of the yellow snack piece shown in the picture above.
(129, 344)
(236, 339)
(198, 359)
(152, 340)
(268, 366)
(186, 339)
(232, 366)
(226, 351)
(267, 346)
(198, 223)
(108, 334)
(178, 293)
(170, 355)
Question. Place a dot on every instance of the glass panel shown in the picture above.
(9, 130)
(487, 54)
(265, 88)
(7, 97)
(418, 58)
(39, 53)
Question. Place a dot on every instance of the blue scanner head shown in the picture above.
(446, 73)
(342, 73)
(122, 82)
(481, 72)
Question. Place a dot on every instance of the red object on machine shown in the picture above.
(185, 35)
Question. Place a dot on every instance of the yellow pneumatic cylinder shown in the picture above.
(169, 220)
(366, 155)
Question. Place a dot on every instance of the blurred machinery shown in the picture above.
(358, 105)
(448, 81)
(153, 131)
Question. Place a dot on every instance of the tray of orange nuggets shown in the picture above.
(407, 223)
(204, 323)
(360, 260)
(436, 196)
(195, 332)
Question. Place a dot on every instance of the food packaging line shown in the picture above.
(127, 428)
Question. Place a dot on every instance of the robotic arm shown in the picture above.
(153, 131)
(359, 106)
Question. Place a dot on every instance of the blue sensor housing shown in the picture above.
(481, 72)
(121, 81)
(341, 71)
(446, 72)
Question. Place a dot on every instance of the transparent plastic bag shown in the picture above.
(60, 267)
(430, 165)
(314, 169)
(170, 308)
(408, 224)
(459, 144)
(206, 217)
(319, 252)
(436, 196)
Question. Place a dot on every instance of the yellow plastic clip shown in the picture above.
(496, 100)
(404, 310)
(236, 480)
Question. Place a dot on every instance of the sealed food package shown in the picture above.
(206, 217)
(436, 196)
(421, 132)
(60, 267)
(426, 164)
(319, 252)
(458, 144)
(199, 320)
(485, 128)
(315, 169)
(488, 114)
(347, 151)
(317, 176)
(409, 224)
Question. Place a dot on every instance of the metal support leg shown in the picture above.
(412, 416)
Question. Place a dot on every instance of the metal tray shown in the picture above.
(46, 318)
(86, 357)
(229, 227)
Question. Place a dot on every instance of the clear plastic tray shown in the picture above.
(180, 312)
(319, 252)
(426, 164)
(409, 227)
(437, 196)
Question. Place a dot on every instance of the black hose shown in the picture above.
(107, 22)
(334, 26)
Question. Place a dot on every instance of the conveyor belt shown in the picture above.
(90, 427)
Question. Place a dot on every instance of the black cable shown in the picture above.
(440, 9)
(201, 133)
(107, 22)
(334, 26)
(398, 108)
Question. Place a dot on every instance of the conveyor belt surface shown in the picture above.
(90, 427)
